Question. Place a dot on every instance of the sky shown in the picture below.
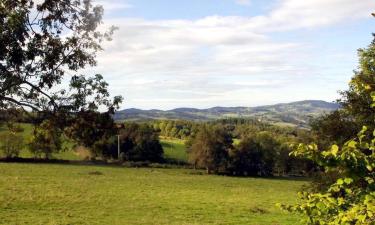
(204, 53)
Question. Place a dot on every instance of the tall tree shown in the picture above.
(209, 148)
(356, 102)
(45, 44)
(350, 198)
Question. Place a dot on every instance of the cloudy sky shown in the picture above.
(204, 53)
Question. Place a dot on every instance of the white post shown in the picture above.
(118, 147)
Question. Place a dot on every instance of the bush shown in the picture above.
(46, 140)
(11, 144)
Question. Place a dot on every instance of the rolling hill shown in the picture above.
(293, 114)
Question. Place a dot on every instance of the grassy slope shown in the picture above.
(63, 194)
(174, 149)
(68, 154)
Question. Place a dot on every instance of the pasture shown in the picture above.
(174, 149)
(74, 194)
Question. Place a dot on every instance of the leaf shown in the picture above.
(352, 144)
(334, 150)
(348, 180)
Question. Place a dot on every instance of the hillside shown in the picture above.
(294, 114)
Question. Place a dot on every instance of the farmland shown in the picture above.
(94, 194)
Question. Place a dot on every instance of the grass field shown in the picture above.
(174, 149)
(67, 194)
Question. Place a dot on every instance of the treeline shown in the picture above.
(238, 127)
(234, 146)
(260, 151)
(239, 146)
(181, 129)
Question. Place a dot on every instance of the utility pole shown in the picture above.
(118, 147)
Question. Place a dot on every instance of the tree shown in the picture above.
(255, 155)
(11, 140)
(46, 140)
(209, 148)
(44, 44)
(350, 198)
(92, 130)
(11, 144)
(139, 142)
(334, 128)
(356, 102)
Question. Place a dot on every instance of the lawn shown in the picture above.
(67, 194)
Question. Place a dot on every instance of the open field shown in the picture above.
(174, 149)
(67, 194)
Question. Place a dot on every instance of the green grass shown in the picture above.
(67, 154)
(174, 149)
(67, 194)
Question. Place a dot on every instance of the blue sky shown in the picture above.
(204, 53)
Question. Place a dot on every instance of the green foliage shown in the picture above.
(334, 128)
(41, 42)
(46, 140)
(357, 105)
(11, 144)
(138, 142)
(265, 154)
(92, 130)
(254, 156)
(351, 198)
(209, 148)
(180, 129)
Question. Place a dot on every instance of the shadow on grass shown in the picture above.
(100, 163)
(167, 164)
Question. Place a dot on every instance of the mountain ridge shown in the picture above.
(294, 113)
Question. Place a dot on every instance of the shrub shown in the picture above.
(11, 144)
(350, 198)
(46, 140)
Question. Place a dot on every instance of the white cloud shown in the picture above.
(294, 14)
(203, 61)
(243, 2)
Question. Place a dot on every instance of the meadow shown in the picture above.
(75, 194)
(175, 150)
(94, 194)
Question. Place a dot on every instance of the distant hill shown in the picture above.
(292, 114)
